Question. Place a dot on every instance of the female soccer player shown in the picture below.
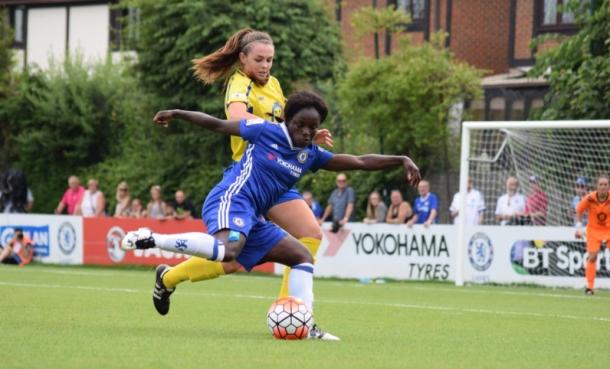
(276, 157)
(597, 204)
(252, 92)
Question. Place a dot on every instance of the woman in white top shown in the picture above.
(156, 206)
(93, 203)
(123, 200)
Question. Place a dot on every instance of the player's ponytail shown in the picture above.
(221, 63)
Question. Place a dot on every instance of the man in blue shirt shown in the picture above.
(425, 207)
(276, 157)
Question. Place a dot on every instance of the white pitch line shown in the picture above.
(325, 301)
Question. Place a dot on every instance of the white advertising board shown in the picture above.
(58, 239)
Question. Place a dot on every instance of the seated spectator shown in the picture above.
(400, 211)
(536, 204)
(182, 207)
(136, 210)
(19, 250)
(375, 209)
(156, 208)
(510, 206)
(71, 197)
(580, 190)
(475, 206)
(426, 206)
(93, 202)
(123, 200)
(314, 205)
(15, 195)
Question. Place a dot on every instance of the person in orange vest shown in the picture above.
(19, 250)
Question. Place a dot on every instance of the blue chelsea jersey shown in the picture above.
(271, 165)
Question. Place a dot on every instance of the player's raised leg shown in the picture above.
(593, 246)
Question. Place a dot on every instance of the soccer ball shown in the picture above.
(289, 318)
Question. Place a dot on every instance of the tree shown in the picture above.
(405, 98)
(6, 87)
(578, 69)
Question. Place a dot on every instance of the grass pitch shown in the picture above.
(75, 317)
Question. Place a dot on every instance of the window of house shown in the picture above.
(417, 10)
(124, 30)
(17, 19)
(552, 17)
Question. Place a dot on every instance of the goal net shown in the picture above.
(560, 159)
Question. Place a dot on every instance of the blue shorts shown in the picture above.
(261, 235)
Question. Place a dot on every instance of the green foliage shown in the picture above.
(578, 70)
(6, 86)
(368, 20)
(72, 117)
(399, 105)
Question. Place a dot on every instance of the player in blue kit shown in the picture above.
(276, 157)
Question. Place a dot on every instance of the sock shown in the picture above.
(195, 269)
(590, 271)
(312, 244)
(300, 283)
(192, 243)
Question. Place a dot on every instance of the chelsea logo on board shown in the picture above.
(302, 157)
(480, 252)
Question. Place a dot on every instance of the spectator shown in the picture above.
(475, 206)
(156, 208)
(314, 205)
(123, 200)
(537, 203)
(510, 206)
(426, 206)
(71, 197)
(136, 210)
(15, 195)
(580, 190)
(93, 202)
(400, 211)
(375, 209)
(18, 250)
(182, 207)
(340, 203)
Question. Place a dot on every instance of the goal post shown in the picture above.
(553, 154)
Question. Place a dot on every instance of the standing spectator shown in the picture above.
(400, 211)
(182, 207)
(375, 209)
(537, 203)
(340, 203)
(136, 210)
(15, 195)
(580, 190)
(475, 206)
(71, 197)
(93, 202)
(314, 205)
(123, 200)
(156, 208)
(511, 205)
(19, 250)
(426, 206)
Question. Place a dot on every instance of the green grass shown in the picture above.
(73, 317)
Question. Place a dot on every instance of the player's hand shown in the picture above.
(579, 234)
(323, 137)
(413, 176)
(164, 117)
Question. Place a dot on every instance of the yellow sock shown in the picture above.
(312, 244)
(196, 269)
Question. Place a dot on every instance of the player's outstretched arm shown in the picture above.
(342, 162)
(229, 127)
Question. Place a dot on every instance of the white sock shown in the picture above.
(300, 283)
(192, 243)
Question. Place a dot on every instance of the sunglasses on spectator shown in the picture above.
(123, 189)
(341, 180)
